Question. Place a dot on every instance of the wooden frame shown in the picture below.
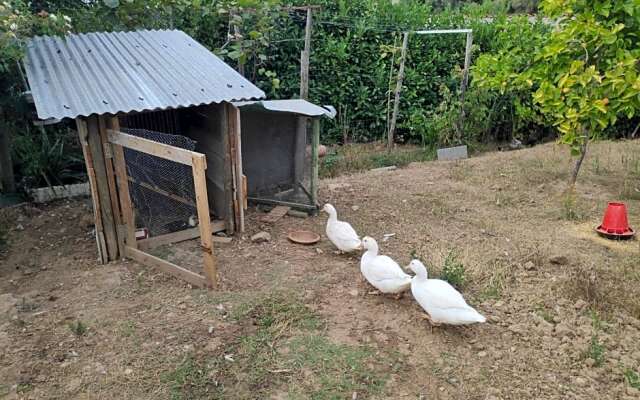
(198, 163)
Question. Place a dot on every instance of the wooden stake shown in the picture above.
(396, 102)
(111, 181)
(315, 143)
(204, 219)
(304, 57)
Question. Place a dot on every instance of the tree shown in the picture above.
(584, 74)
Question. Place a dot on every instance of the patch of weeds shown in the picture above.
(597, 167)
(569, 207)
(460, 171)
(544, 313)
(453, 271)
(596, 351)
(493, 288)
(277, 310)
(24, 388)
(188, 380)
(597, 323)
(128, 328)
(163, 252)
(630, 189)
(78, 328)
(584, 284)
(337, 370)
(632, 378)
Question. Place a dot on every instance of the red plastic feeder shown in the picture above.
(615, 224)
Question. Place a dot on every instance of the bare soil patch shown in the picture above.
(297, 322)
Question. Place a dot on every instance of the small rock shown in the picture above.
(482, 354)
(210, 330)
(590, 362)
(261, 237)
(559, 260)
(355, 208)
(319, 250)
(580, 304)
(353, 292)
(529, 266)
(563, 330)
(580, 381)
(19, 227)
(128, 371)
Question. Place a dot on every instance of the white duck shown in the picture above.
(381, 271)
(440, 300)
(341, 233)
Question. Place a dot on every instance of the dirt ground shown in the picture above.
(298, 322)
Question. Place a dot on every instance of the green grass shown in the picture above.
(281, 348)
(544, 313)
(632, 378)
(188, 380)
(78, 328)
(359, 157)
(570, 210)
(596, 351)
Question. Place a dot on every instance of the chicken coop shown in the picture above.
(160, 137)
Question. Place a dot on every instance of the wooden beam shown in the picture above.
(465, 81)
(234, 131)
(396, 102)
(227, 171)
(96, 149)
(154, 148)
(439, 31)
(202, 201)
(165, 266)
(177, 237)
(111, 179)
(283, 203)
(315, 143)
(124, 196)
(83, 134)
(304, 57)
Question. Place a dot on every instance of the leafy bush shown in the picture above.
(453, 271)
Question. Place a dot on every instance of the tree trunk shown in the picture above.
(576, 167)
(7, 182)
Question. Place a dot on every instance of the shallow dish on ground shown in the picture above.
(304, 237)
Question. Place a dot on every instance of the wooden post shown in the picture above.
(234, 132)
(228, 181)
(204, 219)
(89, 131)
(83, 133)
(396, 102)
(304, 58)
(465, 80)
(315, 143)
(128, 217)
(111, 180)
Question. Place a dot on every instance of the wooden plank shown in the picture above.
(396, 101)
(227, 173)
(304, 57)
(176, 237)
(154, 148)
(315, 144)
(166, 266)
(245, 203)
(275, 214)
(96, 149)
(103, 124)
(233, 119)
(202, 201)
(467, 65)
(81, 125)
(126, 206)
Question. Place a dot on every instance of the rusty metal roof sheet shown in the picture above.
(109, 73)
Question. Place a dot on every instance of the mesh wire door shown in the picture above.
(161, 190)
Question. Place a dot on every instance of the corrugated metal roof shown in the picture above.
(295, 106)
(100, 73)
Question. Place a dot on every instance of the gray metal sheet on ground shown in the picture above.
(453, 153)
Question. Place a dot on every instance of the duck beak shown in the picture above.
(361, 246)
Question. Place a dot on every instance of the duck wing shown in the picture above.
(342, 231)
(442, 295)
(384, 268)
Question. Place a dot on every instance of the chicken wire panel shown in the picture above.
(276, 158)
(162, 191)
